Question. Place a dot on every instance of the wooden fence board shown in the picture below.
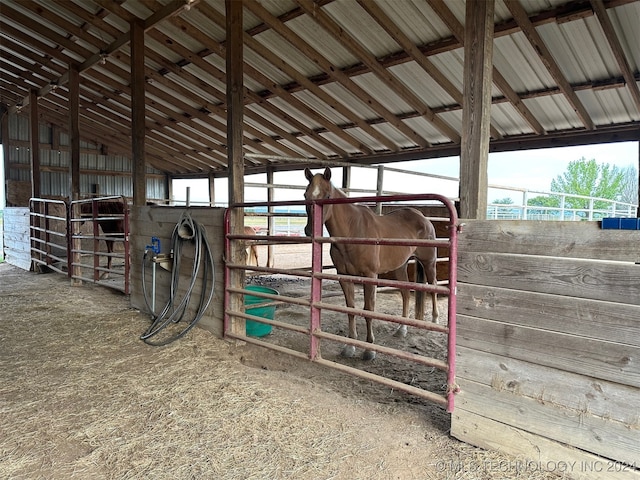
(595, 358)
(580, 393)
(558, 239)
(532, 452)
(159, 222)
(609, 321)
(608, 438)
(598, 280)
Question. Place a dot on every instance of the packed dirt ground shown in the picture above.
(82, 397)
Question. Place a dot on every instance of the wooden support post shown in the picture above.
(235, 90)
(138, 163)
(212, 190)
(476, 117)
(379, 189)
(35, 144)
(74, 132)
(4, 139)
(270, 220)
(75, 243)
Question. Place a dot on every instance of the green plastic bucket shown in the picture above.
(257, 329)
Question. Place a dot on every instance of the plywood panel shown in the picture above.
(610, 321)
(532, 452)
(598, 280)
(557, 239)
(595, 358)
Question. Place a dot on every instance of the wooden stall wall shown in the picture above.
(159, 221)
(549, 344)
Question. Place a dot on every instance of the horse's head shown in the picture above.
(319, 188)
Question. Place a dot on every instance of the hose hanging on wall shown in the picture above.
(186, 230)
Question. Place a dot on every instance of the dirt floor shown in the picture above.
(82, 396)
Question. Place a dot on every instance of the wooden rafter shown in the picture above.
(523, 21)
(382, 73)
(445, 14)
(616, 48)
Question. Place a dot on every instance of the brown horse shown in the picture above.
(252, 249)
(351, 220)
(110, 217)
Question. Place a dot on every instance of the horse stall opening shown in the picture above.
(92, 223)
(549, 344)
(48, 234)
(311, 318)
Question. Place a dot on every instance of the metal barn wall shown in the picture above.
(549, 344)
(111, 173)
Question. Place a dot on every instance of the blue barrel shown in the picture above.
(257, 329)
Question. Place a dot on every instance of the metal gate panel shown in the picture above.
(48, 238)
(316, 305)
(108, 220)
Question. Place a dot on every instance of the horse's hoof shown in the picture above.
(401, 331)
(348, 351)
(368, 355)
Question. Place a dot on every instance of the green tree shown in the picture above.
(503, 201)
(629, 189)
(591, 179)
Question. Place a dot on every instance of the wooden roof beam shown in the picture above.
(201, 63)
(220, 50)
(295, 41)
(381, 72)
(447, 16)
(522, 19)
(616, 48)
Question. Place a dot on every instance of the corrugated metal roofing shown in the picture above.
(337, 83)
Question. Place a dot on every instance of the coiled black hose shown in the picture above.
(186, 230)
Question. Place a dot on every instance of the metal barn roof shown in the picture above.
(345, 80)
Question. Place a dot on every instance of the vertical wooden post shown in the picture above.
(235, 158)
(476, 117)
(4, 139)
(34, 145)
(75, 244)
(379, 190)
(138, 161)
(212, 190)
(74, 132)
(270, 220)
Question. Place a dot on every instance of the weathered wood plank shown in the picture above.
(557, 239)
(607, 438)
(609, 321)
(598, 280)
(597, 397)
(160, 221)
(595, 358)
(532, 452)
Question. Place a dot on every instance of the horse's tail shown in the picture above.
(420, 279)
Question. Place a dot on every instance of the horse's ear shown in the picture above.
(308, 174)
(327, 174)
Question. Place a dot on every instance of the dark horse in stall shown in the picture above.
(110, 218)
(359, 221)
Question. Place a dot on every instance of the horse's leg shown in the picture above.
(349, 294)
(369, 304)
(254, 255)
(402, 275)
(430, 269)
(109, 244)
